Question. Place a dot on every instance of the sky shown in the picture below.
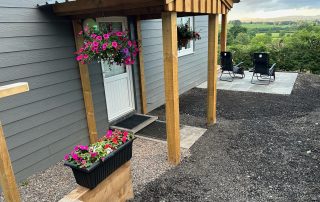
(274, 8)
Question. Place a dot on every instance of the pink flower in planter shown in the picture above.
(109, 134)
(76, 148)
(115, 140)
(83, 148)
(99, 38)
(66, 157)
(75, 156)
(83, 162)
(125, 133)
(80, 33)
(94, 154)
(93, 36)
(119, 33)
(85, 56)
(124, 138)
(114, 44)
(129, 43)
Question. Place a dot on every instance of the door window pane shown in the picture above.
(112, 70)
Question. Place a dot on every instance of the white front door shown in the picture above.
(118, 81)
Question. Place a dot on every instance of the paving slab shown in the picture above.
(157, 131)
(283, 85)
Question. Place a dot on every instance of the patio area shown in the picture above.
(283, 85)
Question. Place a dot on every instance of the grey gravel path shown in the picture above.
(149, 161)
(264, 148)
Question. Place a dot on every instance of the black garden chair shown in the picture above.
(227, 66)
(264, 73)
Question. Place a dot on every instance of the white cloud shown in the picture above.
(274, 8)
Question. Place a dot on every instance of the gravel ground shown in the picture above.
(149, 161)
(264, 148)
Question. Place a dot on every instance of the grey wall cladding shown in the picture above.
(99, 99)
(192, 68)
(45, 123)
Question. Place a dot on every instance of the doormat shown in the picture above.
(156, 130)
(135, 122)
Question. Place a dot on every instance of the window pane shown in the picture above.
(112, 70)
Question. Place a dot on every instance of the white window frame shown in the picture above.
(186, 51)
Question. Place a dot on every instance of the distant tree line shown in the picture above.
(297, 51)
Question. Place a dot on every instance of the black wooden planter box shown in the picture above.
(92, 176)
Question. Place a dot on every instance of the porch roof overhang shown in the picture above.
(146, 9)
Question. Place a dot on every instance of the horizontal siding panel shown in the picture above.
(40, 94)
(27, 57)
(42, 118)
(48, 79)
(151, 24)
(49, 133)
(39, 107)
(52, 159)
(35, 29)
(183, 81)
(46, 152)
(146, 34)
(10, 15)
(34, 42)
(36, 69)
(22, 3)
(183, 76)
(156, 75)
(152, 49)
(152, 42)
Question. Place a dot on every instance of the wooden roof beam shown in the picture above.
(84, 6)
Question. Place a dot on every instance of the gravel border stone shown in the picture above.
(264, 147)
(149, 161)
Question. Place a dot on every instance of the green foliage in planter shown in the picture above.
(85, 156)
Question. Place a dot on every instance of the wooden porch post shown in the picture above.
(224, 28)
(170, 61)
(212, 68)
(86, 86)
(141, 68)
(7, 178)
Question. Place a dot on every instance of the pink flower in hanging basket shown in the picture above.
(114, 44)
(99, 38)
(106, 36)
(104, 46)
(96, 47)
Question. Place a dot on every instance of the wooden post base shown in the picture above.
(117, 187)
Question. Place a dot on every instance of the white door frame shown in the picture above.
(119, 76)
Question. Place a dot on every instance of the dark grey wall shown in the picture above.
(45, 123)
(99, 99)
(192, 68)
